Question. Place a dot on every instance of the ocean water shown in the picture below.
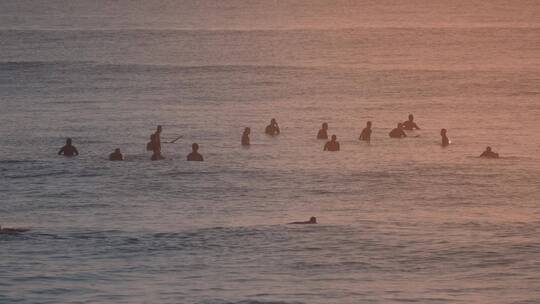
(400, 221)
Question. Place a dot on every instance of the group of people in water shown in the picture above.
(154, 145)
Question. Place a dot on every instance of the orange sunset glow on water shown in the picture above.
(261, 152)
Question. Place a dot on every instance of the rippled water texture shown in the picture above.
(399, 220)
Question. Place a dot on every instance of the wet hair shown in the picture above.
(195, 146)
(325, 125)
(334, 137)
(68, 141)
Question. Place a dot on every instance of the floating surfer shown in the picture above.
(68, 150)
(444, 138)
(332, 145)
(245, 137)
(116, 155)
(488, 153)
(323, 132)
(312, 220)
(194, 155)
(410, 125)
(398, 132)
(366, 133)
(273, 128)
(12, 230)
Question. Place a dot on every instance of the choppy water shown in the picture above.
(400, 220)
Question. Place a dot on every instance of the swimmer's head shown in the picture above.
(368, 124)
(273, 121)
(411, 117)
(68, 141)
(443, 132)
(334, 137)
(399, 125)
(488, 149)
(195, 147)
(117, 150)
(247, 130)
(325, 126)
(313, 219)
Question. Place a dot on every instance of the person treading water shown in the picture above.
(488, 153)
(245, 137)
(410, 125)
(116, 155)
(444, 138)
(398, 132)
(366, 133)
(272, 129)
(68, 150)
(323, 132)
(332, 145)
(194, 155)
(312, 220)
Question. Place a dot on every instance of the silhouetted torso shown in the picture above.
(116, 156)
(410, 125)
(331, 146)
(397, 133)
(489, 154)
(68, 150)
(245, 139)
(365, 135)
(445, 141)
(272, 129)
(322, 134)
(194, 156)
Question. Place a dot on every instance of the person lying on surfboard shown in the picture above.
(312, 220)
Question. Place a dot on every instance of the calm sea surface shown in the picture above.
(401, 221)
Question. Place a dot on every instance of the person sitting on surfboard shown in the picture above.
(68, 150)
(12, 230)
(444, 138)
(366, 133)
(489, 154)
(116, 155)
(332, 145)
(312, 220)
(245, 137)
(272, 129)
(410, 125)
(323, 134)
(398, 132)
(194, 155)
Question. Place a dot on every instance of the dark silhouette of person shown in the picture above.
(366, 133)
(312, 220)
(245, 137)
(332, 145)
(5, 230)
(68, 150)
(323, 132)
(272, 129)
(488, 153)
(194, 155)
(444, 138)
(155, 144)
(410, 124)
(116, 155)
(398, 132)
